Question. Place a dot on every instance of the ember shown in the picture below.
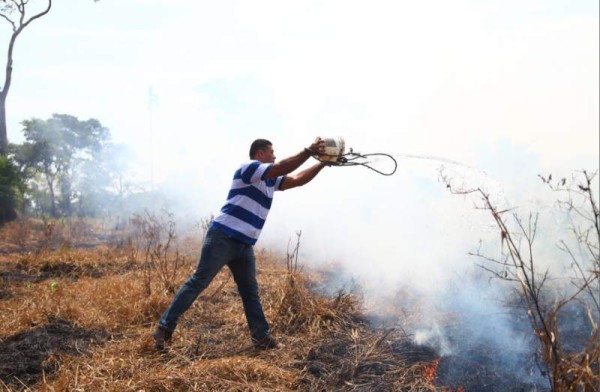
(430, 372)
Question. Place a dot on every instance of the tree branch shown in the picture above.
(14, 27)
(38, 15)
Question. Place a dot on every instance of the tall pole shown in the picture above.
(152, 102)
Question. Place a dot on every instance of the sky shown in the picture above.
(509, 89)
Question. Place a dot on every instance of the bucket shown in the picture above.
(334, 149)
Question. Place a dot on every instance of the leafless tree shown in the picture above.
(15, 12)
(566, 370)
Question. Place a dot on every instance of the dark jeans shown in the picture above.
(219, 250)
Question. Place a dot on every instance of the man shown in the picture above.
(235, 230)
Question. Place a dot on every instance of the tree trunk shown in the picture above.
(65, 193)
(4, 94)
(17, 29)
(50, 182)
(3, 133)
(52, 201)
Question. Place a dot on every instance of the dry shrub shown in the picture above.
(539, 287)
(39, 236)
(79, 230)
(298, 309)
(117, 302)
(155, 235)
(16, 233)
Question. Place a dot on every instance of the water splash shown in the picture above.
(461, 177)
(433, 158)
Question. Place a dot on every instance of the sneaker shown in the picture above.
(266, 343)
(161, 335)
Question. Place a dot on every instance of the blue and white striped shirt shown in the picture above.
(248, 202)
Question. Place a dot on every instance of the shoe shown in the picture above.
(266, 343)
(161, 335)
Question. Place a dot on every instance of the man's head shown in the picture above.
(262, 150)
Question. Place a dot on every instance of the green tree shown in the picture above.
(57, 149)
(13, 12)
(11, 187)
(22, 157)
(105, 183)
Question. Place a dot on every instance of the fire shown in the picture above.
(449, 389)
(430, 373)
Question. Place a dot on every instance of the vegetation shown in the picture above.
(66, 167)
(77, 315)
(569, 358)
(80, 299)
(11, 188)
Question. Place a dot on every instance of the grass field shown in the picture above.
(79, 301)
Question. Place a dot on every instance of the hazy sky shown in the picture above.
(509, 88)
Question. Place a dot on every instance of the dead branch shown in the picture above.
(565, 371)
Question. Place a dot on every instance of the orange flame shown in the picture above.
(449, 389)
(430, 372)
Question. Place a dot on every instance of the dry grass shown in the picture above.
(79, 318)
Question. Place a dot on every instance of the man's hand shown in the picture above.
(317, 147)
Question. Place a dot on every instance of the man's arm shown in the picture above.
(302, 178)
(288, 165)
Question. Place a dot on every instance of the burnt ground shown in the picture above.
(480, 363)
(29, 355)
(26, 357)
(24, 272)
(478, 369)
(475, 368)
(478, 360)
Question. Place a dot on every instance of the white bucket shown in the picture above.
(334, 149)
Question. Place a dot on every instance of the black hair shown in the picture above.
(258, 144)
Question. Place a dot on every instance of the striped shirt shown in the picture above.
(248, 202)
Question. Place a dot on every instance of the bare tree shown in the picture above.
(15, 13)
(156, 236)
(566, 369)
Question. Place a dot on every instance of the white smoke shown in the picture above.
(507, 89)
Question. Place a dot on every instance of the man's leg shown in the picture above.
(216, 252)
(243, 269)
